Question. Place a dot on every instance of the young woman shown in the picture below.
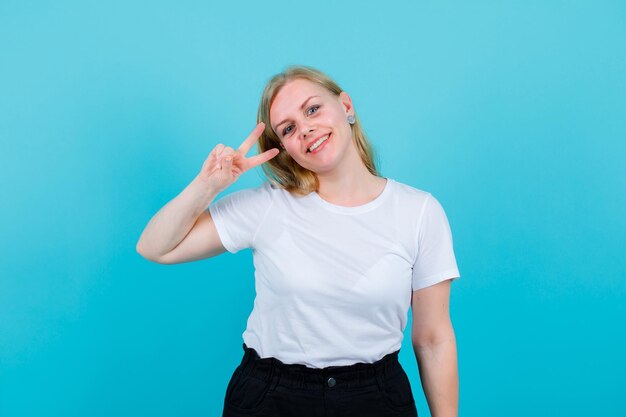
(340, 252)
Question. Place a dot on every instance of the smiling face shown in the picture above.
(302, 114)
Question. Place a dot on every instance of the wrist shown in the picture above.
(203, 188)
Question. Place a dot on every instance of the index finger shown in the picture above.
(253, 137)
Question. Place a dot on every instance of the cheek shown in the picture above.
(291, 149)
(332, 119)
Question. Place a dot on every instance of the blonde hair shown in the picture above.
(283, 170)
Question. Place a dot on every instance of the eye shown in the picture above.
(311, 108)
(309, 112)
(285, 131)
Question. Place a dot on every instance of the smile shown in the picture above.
(318, 143)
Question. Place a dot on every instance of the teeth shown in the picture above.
(318, 143)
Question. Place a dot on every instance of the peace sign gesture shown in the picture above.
(224, 165)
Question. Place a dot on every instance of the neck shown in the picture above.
(350, 184)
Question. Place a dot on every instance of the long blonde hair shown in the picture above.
(283, 170)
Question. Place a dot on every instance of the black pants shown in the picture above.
(268, 387)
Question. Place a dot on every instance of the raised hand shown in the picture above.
(224, 165)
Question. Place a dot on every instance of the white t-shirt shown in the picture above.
(334, 283)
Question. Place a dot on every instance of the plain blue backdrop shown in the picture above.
(511, 113)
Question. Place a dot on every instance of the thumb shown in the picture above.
(228, 162)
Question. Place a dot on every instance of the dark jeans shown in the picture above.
(270, 388)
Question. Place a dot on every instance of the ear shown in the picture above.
(346, 102)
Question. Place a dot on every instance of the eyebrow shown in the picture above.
(301, 107)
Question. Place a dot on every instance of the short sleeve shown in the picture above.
(435, 261)
(239, 215)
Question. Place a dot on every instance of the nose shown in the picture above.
(306, 131)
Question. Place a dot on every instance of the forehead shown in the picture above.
(292, 95)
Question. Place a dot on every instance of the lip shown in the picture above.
(306, 150)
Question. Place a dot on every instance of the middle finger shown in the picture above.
(252, 137)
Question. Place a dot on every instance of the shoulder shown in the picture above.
(406, 193)
(255, 196)
(420, 202)
(261, 189)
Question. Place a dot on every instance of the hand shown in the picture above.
(224, 165)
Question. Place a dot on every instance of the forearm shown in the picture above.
(437, 363)
(169, 226)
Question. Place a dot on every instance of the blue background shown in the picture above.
(511, 113)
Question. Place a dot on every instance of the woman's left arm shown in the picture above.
(434, 345)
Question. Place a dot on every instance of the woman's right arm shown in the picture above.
(183, 230)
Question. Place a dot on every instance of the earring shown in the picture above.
(351, 119)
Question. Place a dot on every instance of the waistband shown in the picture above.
(357, 375)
